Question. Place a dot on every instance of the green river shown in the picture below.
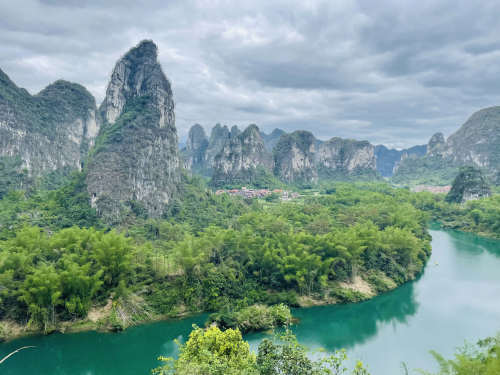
(456, 299)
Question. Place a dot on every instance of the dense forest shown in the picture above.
(59, 263)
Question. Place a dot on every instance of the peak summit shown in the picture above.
(145, 50)
(138, 74)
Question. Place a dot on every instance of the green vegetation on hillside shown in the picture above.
(481, 216)
(427, 170)
(258, 178)
(49, 209)
(208, 253)
(12, 175)
(469, 182)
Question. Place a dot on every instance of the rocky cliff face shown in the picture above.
(50, 131)
(218, 138)
(196, 146)
(299, 157)
(199, 157)
(294, 157)
(345, 157)
(135, 163)
(242, 159)
(436, 144)
(470, 184)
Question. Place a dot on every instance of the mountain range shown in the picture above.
(128, 149)
(235, 157)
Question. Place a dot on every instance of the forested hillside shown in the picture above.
(63, 267)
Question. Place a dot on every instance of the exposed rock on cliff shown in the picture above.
(294, 157)
(218, 138)
(469, 184)
(345, 157)
(235, 131)
(196, 147)
(299, 157)
(50, 131)
(242, 160)
(135, 162)
(436, 144)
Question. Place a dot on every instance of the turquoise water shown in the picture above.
(456, 299)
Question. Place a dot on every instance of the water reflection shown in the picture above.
(336, 327)
(133, 351)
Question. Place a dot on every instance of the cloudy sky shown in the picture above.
(391, 72)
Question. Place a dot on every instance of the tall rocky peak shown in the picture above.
(243, 159)
(50, 131)
(196, 147)
(270, 140)
(138, 74)
(436, 144)
(294, 157)
(235, 131)
(218, 138)
(136, 163)
(197, 139)
(345, 157)
(469, 184)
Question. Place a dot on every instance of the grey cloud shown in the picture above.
(388, 71)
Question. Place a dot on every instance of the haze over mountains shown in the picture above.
(128, 147)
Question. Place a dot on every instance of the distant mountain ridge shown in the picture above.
(294, 157)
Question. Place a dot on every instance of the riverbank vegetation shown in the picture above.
(252, 318)
(480, 216)
(217, 352)
(61, 268)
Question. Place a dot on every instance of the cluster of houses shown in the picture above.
(259, 193)
(432, 189)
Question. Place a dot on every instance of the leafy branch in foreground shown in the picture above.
(215, 352)
(480, 359)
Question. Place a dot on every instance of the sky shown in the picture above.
(391, 72)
